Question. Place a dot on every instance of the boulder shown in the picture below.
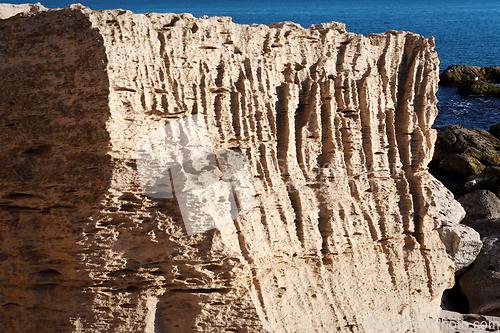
(476, 87)
(478, 144)
(480, 205)
(481, 282)
(448, 210)
(456, 74)
(462, 242)
(462, 164)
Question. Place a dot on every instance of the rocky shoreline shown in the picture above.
(467, 162)
(472, 80)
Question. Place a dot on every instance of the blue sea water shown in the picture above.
(466, 32)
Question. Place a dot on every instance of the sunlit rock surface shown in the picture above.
(298, 201)
(8, 10)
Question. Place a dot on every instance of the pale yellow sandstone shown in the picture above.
(336, 131)
(7, 10)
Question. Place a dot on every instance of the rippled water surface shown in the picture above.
(468, 111)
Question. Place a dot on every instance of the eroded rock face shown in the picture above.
(327, 220)
(7, 10)
(462, 244)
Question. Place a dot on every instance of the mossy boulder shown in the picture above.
(462, 164)
(478, 88)
(459, 73)
(455, 74)
(473, 149)
(485, 157)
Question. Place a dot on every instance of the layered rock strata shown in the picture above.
(105, 225)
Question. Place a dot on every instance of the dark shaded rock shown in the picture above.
(462, 164)
(495, 130)
(480, 205)
(479, 144)
(481, 282)
(458, 73)
(489, 179)
(487, 227)
(453, 181)
(454, 300)
(472, 80)
(478, 87)
(455, 74)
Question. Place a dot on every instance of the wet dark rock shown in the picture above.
(477, 87)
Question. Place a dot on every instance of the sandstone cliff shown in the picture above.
(7, 10)
(332, 233)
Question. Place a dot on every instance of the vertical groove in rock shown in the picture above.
(334, 129)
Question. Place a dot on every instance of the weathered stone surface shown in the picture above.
(480, 205)
(336, 131)
(462, 242)
(7, 10)
(481, 282)
(448, 210)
